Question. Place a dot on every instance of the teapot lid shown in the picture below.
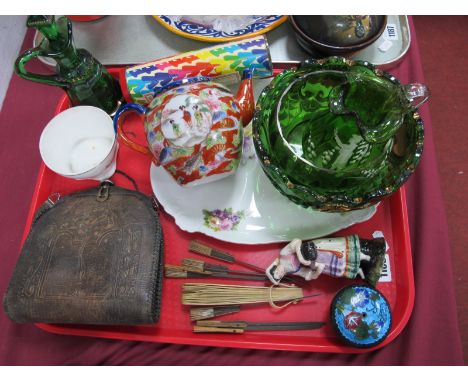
(184, 81)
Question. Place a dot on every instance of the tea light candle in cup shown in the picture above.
(80, 143)
(87, 153)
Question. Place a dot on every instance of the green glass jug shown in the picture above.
(83, 78)
(338, 135)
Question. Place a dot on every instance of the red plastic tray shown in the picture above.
(174, 325)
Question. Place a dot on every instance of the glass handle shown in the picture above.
(22, 72)
(416, 94)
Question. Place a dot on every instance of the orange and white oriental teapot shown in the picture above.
(194, 128)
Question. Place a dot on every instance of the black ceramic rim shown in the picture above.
(342, 49)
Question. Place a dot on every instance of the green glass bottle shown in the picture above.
(83, 78)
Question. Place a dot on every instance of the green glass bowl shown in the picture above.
(336, 161)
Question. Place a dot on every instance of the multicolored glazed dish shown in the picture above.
(204, 28)
(227, 59)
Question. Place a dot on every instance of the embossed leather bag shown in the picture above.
(93, 257)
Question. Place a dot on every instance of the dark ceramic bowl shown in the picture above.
(337, 35)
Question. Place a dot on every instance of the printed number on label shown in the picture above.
(386, 274)
(391, 32)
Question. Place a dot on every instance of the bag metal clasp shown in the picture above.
(53, 199)
(103, 193)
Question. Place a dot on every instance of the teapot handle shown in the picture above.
(121, 134)
(416, 94)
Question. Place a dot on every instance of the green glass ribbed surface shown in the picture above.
(336, 135)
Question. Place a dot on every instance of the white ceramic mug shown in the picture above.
(80, 143)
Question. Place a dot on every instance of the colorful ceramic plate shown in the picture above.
(245, 208)
(196, 31)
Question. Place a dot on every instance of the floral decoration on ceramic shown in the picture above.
(194, 128)
(250, 191)
(194, 131)
(222, 220)
(361, 315)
